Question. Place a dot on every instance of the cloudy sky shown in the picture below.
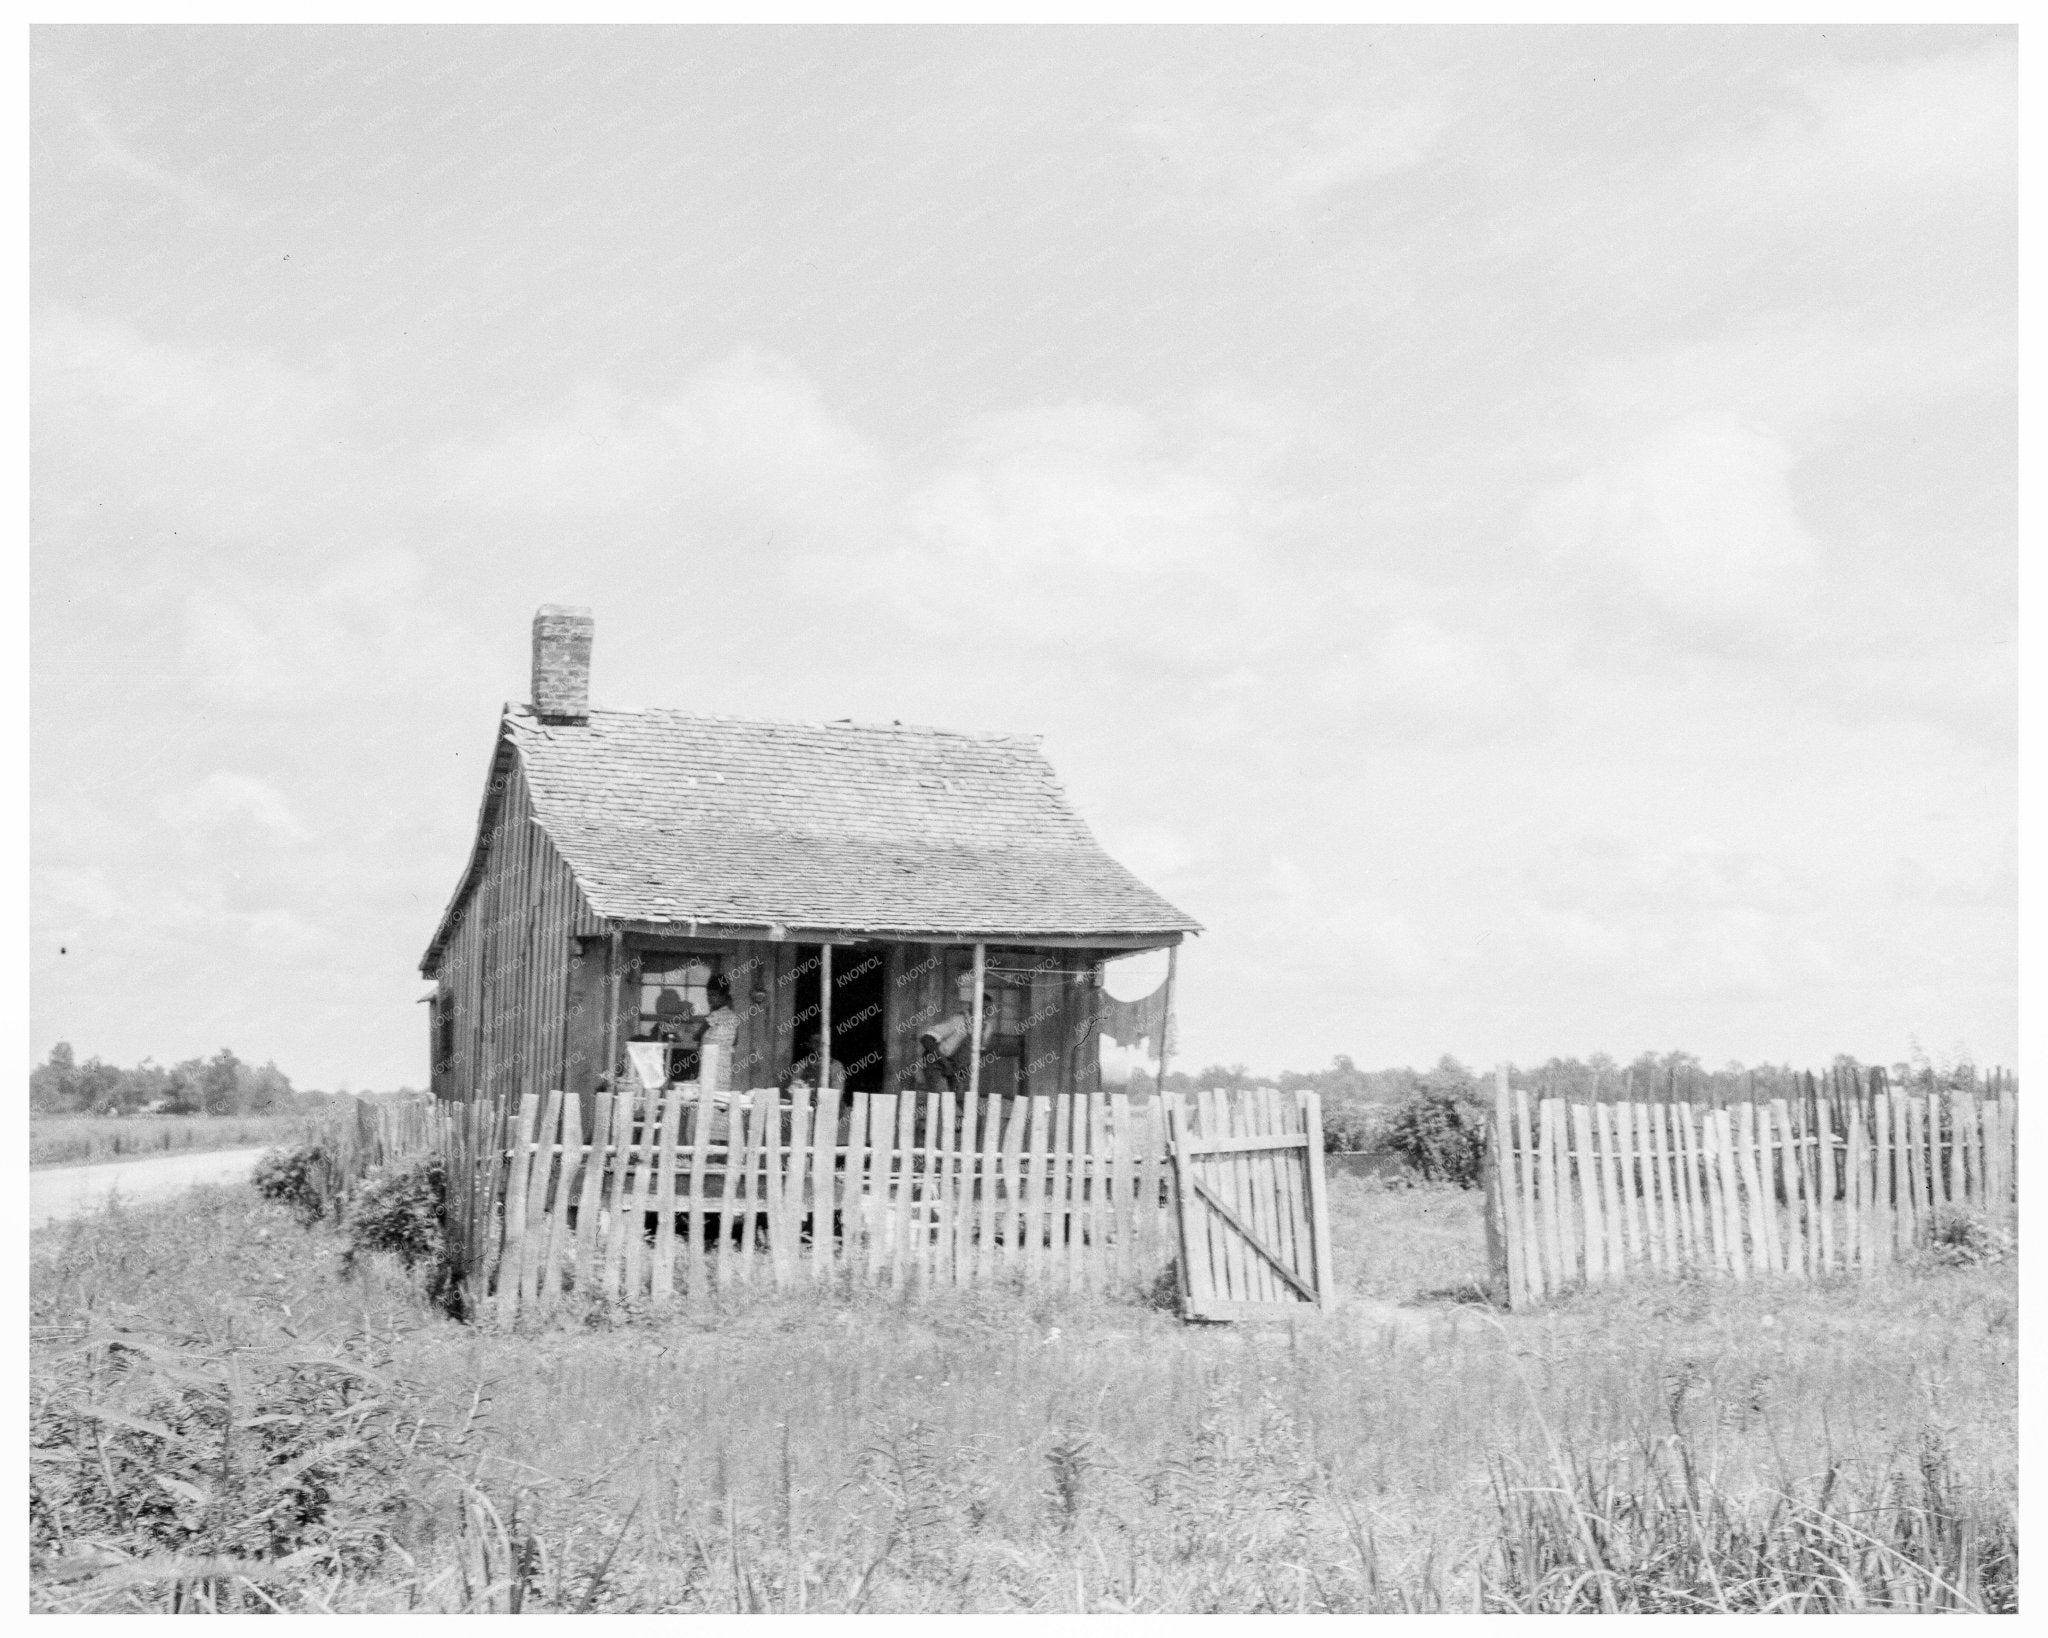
(1513, 530)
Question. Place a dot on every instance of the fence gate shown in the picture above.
(1254, 1217)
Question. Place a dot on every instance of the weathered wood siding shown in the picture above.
(1083, 1028)
(761, 1052)
(584, 1029)
(1045, 1035)
(506, 968)
(919, 991)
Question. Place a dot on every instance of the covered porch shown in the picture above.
(1038, 1008)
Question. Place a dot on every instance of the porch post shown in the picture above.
(824, 1017)
(974, 1035)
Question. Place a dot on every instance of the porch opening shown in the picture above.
(859, 1023)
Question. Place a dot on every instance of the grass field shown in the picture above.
(1671, 1445)
(83, 1140)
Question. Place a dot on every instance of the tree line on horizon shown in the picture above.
(226, 1085)
(1359, 1105)
(221, 1085)
(1647, 1074)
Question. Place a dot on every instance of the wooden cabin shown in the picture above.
(625, 858)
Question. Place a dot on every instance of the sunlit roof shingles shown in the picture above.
(668, 816)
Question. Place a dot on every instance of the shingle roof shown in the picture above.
(666, 816)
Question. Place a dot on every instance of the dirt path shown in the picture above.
(57, 1192)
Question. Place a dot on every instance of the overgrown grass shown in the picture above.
(1403, 1243)
(1660, 1446)
(82, 1140)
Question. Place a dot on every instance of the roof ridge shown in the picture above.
(524, 717)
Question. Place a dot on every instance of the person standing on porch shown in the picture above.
(942, 1048)
(721, 1029)
(804, 1072)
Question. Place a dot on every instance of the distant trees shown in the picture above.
(220, 1085)
(1436, 1113)
(1647, 1076)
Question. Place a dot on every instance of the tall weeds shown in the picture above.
(1652, 1531)
(1646, 1448)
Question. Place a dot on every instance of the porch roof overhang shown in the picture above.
(779, 933)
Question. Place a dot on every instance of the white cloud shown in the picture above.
(1805, 376)
(1106, 532)
(1313, 914)
(286, 935)
(1699, 514)
(1089, 490)
(1160, 854)
(1417, 670)
(1990, 879)
(1351, 144)
(1233, 157)
(1092, 527)
(1937, 132)
(1878, 188)
(1686, 917)
(237, 801)
(66, 893)
(362, 630)
(73, 829)
(207, 438)
(748, 434)
(109, 152)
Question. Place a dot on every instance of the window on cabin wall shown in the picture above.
(673, 1005)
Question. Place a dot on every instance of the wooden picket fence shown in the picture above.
(385, 1132)
(1841, 1178)
(666, 1199)
(362, 1136)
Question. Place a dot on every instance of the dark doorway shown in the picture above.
(859, 1028)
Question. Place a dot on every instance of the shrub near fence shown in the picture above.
(1847, 1177)
(314, 1178)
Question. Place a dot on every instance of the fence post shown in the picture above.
(1319, 1201)
(1558, 1230)
(1824, 1164)
(513, 1234)
(1527, 1169)
(1500, 1269)
(1859, 1250)
(1588, 1163)
(2007, 1169)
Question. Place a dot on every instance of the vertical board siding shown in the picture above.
(1799, 1187)
(505, 967)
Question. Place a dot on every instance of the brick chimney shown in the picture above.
(561, 663)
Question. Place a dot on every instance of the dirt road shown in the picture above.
(56, 1192)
